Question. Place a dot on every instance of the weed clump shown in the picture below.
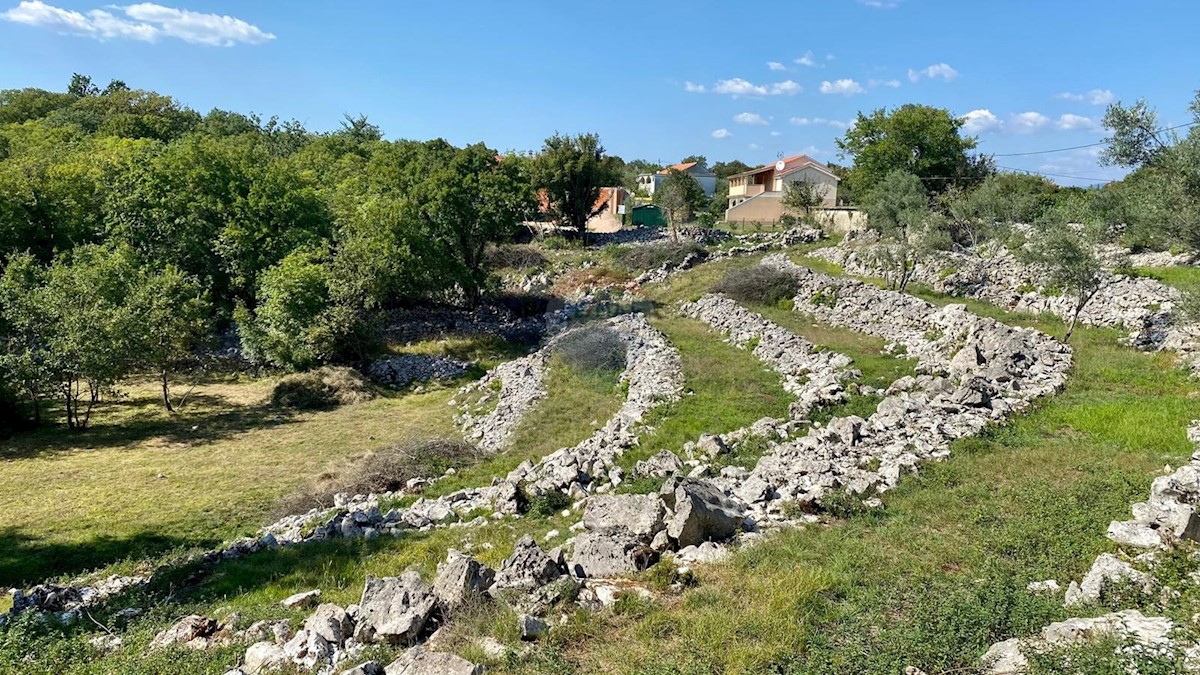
(651, 256)
(759, 285)
(325, 387)
(387, 470)
(593, 349)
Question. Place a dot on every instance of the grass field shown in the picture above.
(931, 581)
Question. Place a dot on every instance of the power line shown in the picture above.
(1089, 145)
(1054, 175)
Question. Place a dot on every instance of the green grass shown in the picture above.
(142, 482)
(1185, 278)
(726, 388)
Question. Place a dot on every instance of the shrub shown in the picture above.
(322, 388)
(548, 503)
(759, 284)
(384, 471)
(514, 256)
(592, 349)
(650, 256)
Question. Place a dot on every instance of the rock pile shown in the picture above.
(973, 371)
(69, 601)
(1143, 306)
(515, 386)
(653, 377)
(404, 369)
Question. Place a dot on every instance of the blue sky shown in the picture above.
(658, 79)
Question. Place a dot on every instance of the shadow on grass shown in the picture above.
(124, 423)
(26, 560)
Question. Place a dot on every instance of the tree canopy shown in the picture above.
(920, 140)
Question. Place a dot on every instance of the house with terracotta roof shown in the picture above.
(698, 170)
(607, 212)
(757, 194)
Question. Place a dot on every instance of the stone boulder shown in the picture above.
(528, 567)
(664, 464)
(305, 599)
(639, 515)
(264, 657)
(1105, 572)
(461, 578)
(332, 623)
(701, 512)
(419, 661)
(394, 609)
(307, 649)
(611, 553)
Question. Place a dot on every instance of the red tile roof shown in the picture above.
(682, 166)
(791, 164)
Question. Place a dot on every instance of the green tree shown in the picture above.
(1067, 256)
(463, 202)
(572, 170)
(802, 196)
(898, 210)
(172, 312)
(987, 211)
(289, 326)
(727, 169)
(1163, 193)
(680, 196)
(921, 140)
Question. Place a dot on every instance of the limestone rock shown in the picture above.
(531, 627)
(305, 599)
(332, 623)
(366, 668)
(528, 567)
(702, 512)
(611, 553)
(461, 578)
(192, 631)
(263, 657)
(419, 661)
(661, 465)
(307, 649)
(639, 515)
(394, 609)
(1106, 571)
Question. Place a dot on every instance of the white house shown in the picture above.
(757, 194)
(698, 170)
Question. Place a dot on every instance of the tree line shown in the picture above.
(134, 231)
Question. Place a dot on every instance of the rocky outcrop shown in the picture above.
(461, 579)
(1170, 513)
(1149, 635)
(420, 661)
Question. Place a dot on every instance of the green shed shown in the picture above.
(649, 214)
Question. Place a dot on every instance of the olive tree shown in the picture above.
(898, 210)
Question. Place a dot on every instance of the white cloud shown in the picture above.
(936, 71)
(1027, 122)
(845, 87)
(775, 65)
(819, 122)
(807, 60)
(721, 133)
(1095, 96)
(146, 22)
(786, 88)
(750, 118)
(1070, 122)
(980, 120)
(776, 133)
(753, 146)
(880, 4)
(893, 84)
(738, 87)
